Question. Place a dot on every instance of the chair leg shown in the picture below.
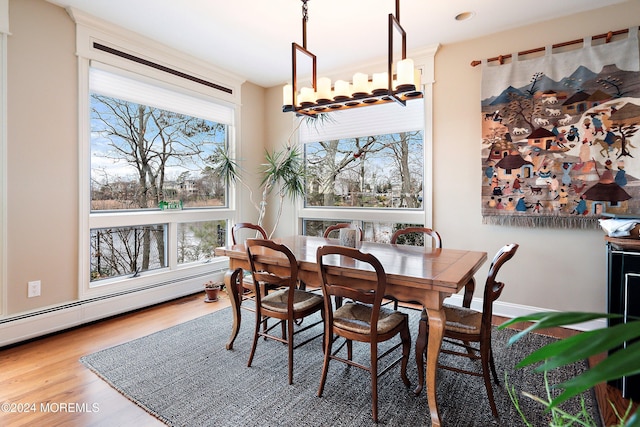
(485, 354)
(493, 366)
(374, 381)
(256, 333)
(328, 342)
(468, 292)
(290, 346)
(406, 349)
(421, 345)
(349, 349)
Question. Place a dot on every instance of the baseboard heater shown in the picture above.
(41, 322)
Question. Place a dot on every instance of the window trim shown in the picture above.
(425, 60)
(4, 33)
(90, 30)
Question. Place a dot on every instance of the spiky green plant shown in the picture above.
(282, 172)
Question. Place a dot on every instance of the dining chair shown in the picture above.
(465, 326)
(361, 318)
(287, 304)
(244, 289)
(469, 288)
(334, 227)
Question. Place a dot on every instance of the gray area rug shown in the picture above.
(185, 377)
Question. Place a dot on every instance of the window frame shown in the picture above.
(90, 30)
(424, 60)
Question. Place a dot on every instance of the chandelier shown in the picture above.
(397, 84)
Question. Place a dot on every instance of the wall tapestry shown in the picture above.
(560, 136)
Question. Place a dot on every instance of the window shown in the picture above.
(365, 166)
(152, 149)
(152, 207)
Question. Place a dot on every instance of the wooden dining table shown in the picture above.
(414, 274)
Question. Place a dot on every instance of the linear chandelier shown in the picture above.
(384, 87)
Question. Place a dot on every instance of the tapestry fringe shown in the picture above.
(543, 221)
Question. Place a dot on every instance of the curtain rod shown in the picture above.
(606, 36)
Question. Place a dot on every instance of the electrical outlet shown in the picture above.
(33, 289)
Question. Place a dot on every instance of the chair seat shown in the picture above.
(355, 318)
(460, 319)
(302, 300)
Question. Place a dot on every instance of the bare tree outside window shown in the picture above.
(382, 171)
(141, 155)
(123, 251)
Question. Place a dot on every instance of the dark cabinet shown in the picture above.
(623, 297)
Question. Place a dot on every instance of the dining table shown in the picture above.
(416, 274)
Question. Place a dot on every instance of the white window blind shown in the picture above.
(113, 82)
(366, 121)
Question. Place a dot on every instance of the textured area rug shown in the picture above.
(184, 376)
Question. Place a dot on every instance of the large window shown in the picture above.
(365, 166)
(142, 156)
(154, 192)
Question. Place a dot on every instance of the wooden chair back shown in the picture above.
(336, 285)
(493, 288)
(235, 231)
(435, 236)
(283, 273)
(334, 227)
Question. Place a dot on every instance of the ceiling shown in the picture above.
(252, 38)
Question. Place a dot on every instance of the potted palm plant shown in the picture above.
(283, 174)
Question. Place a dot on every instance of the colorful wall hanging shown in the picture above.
(561, 136)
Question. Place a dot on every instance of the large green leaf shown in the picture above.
(582, 346)
(623, 362)
(550, 319)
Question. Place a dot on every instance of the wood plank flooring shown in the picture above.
(47, 370)
(40, 377)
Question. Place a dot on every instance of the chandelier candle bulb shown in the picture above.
(307, 96)
(323, 93)
(342, 90)
(380, 82)
(287, 95)
(360, 84)
(405, 74)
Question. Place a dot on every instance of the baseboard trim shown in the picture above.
(505, 309)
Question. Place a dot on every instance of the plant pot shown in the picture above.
(212, 294)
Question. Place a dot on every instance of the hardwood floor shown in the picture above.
(40, 377)
(47, 371)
